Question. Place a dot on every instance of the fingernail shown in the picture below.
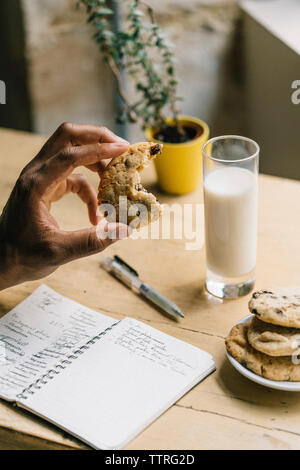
(101, 231)
(112, 231)
(122, 232)
(123, 140)
(121, 144)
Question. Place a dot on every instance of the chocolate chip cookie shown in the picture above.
(121, 196)
(272, 368)
(277, 305)
(272, 339)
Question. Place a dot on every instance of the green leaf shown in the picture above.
(104, 11)
(108, 34)
(138, 13)
(141, 50)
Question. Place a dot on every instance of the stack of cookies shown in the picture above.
(269, 344)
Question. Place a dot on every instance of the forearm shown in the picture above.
(31, 244)
(9, 275)
(4, 277)
(5, 283)
(6, 266)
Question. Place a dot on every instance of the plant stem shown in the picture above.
(115, 71)
(141, 51)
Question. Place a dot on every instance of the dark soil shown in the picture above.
(174, 135)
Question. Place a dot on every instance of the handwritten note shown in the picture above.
(151, 345)
(121, 383)
(43, 329)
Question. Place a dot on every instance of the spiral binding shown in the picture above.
(58, 368)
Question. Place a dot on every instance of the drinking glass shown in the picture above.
(230, 180)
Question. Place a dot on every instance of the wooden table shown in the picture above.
(226, 411)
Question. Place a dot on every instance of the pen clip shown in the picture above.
(125, 265)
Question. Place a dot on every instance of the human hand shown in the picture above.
(31, 243)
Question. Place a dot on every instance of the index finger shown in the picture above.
(63, 163)
(69, 134)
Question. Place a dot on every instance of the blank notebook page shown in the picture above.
(120, 384)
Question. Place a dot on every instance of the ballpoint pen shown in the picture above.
(129, 276)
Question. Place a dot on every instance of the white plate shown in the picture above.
(276, 384)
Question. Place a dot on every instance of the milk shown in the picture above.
(231, 199)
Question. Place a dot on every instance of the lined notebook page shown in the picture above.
(42, 329)
(121, 384)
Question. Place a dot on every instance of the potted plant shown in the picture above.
(140, 50)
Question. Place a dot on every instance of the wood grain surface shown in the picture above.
(226, 411)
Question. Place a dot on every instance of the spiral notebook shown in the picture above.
(100, 379)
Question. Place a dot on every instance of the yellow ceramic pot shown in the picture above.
(179, 167)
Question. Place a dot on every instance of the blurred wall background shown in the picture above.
(14, 67)
(67, 80)
(235, 69)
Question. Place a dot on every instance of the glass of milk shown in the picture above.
(230, 177)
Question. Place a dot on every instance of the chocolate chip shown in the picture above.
(155, 149)
(260, 292)
(129, 163)
(277, 310)
(244, 363)
(254, 311)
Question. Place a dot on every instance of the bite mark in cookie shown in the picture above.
(121, 188)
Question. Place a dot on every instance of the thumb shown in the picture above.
(93, 240)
